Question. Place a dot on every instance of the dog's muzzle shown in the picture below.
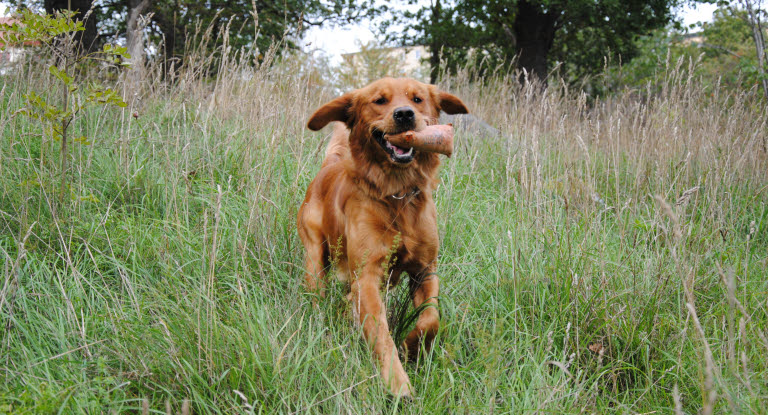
(397, 154)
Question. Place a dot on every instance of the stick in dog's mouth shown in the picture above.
(433, 138)
(397, 152)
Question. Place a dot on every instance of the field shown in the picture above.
(598, 255)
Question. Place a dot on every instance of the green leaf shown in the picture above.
(105, 96)
(61, 74)
(82, 140)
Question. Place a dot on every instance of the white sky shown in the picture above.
(335, 41)
(700, 13)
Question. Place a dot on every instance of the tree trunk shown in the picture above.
(133, 31)
(753, 19)
(88, 39)
(135, 45)
(435, 45)
(534, 30)
(167, 22)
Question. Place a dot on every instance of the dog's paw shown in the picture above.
(397, 381)
(417, 338)
(403, 391)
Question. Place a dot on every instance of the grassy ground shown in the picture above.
(600, 257)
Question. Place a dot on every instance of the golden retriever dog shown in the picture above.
(370, 210)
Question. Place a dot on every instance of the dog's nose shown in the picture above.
(403, 115)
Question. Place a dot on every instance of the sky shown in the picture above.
(337, 41)
(334, 42)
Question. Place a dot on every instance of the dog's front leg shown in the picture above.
(425, 292)
(371, 314)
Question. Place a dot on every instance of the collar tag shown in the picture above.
(412, 193)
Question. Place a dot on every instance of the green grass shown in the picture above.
(173, 272)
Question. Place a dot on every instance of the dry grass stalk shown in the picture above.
(709, 394)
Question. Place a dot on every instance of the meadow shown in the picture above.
(598, 255)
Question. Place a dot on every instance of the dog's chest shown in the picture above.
(417, 238)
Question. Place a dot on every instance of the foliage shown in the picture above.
(86, 38)
(728, 49)
(723, 49)
(576, 35)
(258, 24)
(755, 18)
(57, 34)
(605, 31)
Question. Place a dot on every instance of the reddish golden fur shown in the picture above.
(350, 213)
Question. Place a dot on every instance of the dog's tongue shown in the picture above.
(397, 149)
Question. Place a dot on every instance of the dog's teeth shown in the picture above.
(410, 151)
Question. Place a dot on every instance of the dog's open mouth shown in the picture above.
(396, 153)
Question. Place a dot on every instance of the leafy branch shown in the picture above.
(56, 33)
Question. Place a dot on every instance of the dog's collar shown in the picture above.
(368, 187)
(402, 195)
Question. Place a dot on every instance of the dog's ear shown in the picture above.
(336, 110)
(451, 104)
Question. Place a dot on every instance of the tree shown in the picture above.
(257, 23)
(58, 33)
(575, 33)
(133, 29)
(723, 49)
(753, 17)
(251, 23)
(86, 40)
(735, 47)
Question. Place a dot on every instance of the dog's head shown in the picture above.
(387, 106)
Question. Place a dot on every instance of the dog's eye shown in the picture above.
(417, 99)
(380, 101)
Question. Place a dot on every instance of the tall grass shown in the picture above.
(603, 256)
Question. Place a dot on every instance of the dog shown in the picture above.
(370, 211)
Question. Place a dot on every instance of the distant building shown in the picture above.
(408, 60)
(11, 54)
(696, 39)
